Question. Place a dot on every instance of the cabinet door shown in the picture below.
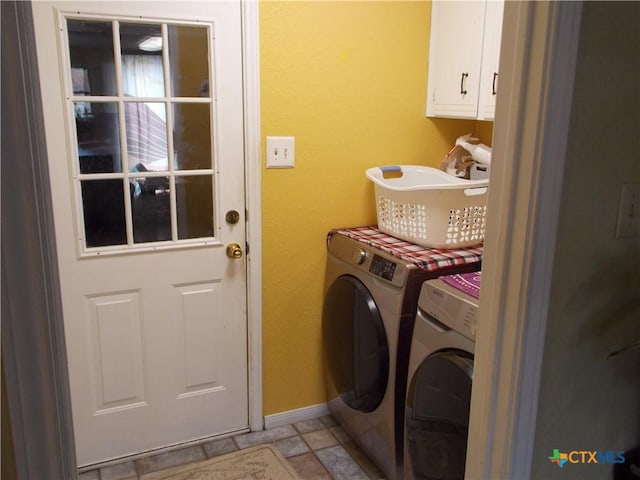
(455, 58)
(490, 59)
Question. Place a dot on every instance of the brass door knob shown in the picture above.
(234, 251)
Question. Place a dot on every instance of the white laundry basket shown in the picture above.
(429, 207)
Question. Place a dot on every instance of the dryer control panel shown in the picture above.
(453, 308)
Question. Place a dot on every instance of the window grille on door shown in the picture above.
(140, 94)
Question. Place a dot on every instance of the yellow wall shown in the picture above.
(348, 80)
(484, 131)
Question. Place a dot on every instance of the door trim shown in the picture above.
(537, 64)
(35, 376)
(253, 189)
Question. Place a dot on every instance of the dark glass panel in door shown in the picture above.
(98, 137)
(92, 59)
(189, 60)
(192, 136)
(194, 199)
(103, 208)
(150, 203)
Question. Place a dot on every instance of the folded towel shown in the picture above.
(468, 283)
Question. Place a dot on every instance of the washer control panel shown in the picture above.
(369, 259)
(382, 267)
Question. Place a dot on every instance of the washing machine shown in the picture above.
(372, 283)
(440, 378)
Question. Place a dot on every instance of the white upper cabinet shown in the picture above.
(463, 58)
(490, 59)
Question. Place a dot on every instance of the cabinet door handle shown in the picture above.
(493, 88)
(463, 90)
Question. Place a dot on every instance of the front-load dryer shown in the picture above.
(440, 378)
(370, 301)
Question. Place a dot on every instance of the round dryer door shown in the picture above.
(355, 344)
(437, 415)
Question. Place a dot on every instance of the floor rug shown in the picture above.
(263, 462)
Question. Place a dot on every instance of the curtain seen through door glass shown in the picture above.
(146, 137)
(141, 49)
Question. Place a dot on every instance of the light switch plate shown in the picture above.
(628, 224)
(281, 152)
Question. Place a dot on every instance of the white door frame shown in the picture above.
(253, 169)
(537, 67)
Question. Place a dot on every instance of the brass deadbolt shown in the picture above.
(234, 251)
(232, 217)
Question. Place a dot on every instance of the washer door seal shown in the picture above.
(355, 344)
(437, 415)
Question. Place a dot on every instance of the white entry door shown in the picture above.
(144, 123)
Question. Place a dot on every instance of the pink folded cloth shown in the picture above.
(468, 283)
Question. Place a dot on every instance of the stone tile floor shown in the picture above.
(318, 449)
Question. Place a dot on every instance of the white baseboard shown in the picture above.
(297, 415)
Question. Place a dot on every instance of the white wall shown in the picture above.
(587, 401)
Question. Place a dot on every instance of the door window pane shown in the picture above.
(146, 129)
(103, 207)
(141, 48)
(92, 59)
(98, 137)
(189, 60)
(150, 202)
(192, 136)
(194, 198)
(127, 137)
